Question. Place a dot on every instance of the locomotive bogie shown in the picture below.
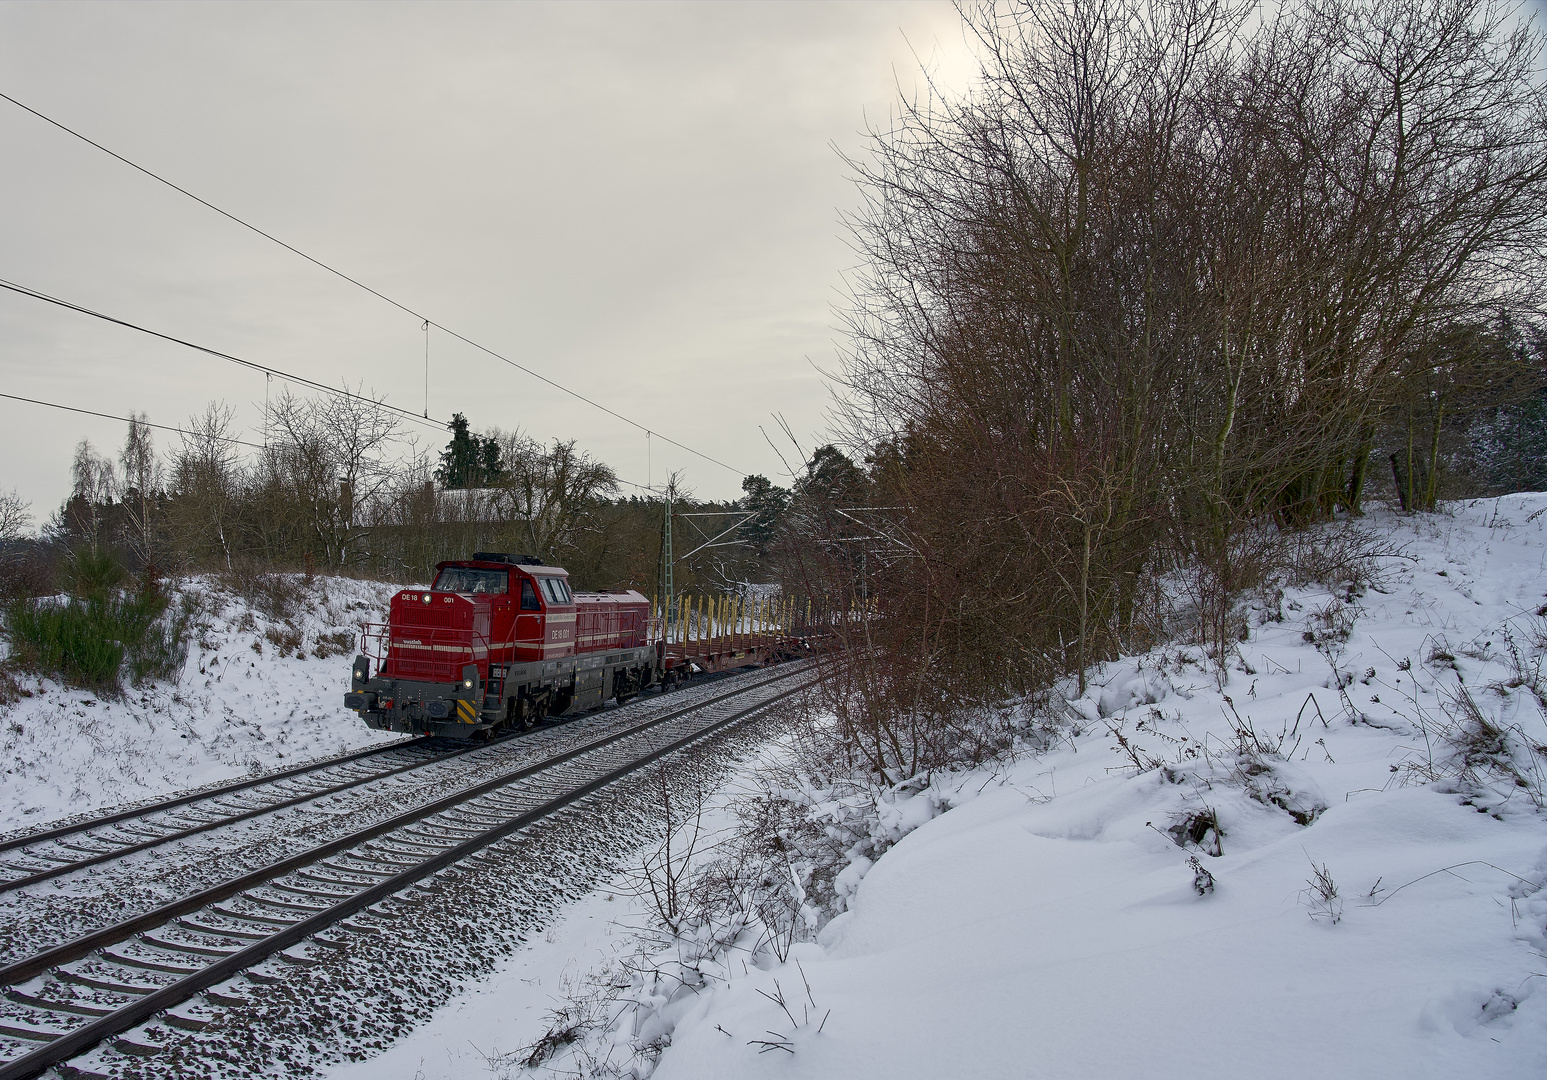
(516, 695)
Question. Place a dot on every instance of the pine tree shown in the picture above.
(469, 460)
(769, 503)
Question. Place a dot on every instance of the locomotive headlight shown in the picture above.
(467, 683)
(426, 598)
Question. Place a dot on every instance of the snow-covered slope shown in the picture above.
(1329, 867)
(255, 694)
(1050, 926)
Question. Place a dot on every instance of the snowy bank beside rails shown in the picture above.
(262, 689)
(1332, 865)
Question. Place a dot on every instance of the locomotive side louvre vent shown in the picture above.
(500, 556)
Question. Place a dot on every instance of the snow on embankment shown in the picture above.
(262, 689)
(1330, 867)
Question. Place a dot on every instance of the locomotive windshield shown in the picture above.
(466, 579)
(556, 590)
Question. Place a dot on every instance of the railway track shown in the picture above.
(28, 860)
(63, 1000)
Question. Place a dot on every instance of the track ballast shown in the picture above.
(66, 999)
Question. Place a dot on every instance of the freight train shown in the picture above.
(499, 641)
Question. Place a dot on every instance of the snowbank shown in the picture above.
(1050, 925)
(1330, 866)
(256, 693)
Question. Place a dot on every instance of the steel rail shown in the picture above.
(136, 1012)
(209, 793)
(21, 970)
(228, 817)
(244, 815)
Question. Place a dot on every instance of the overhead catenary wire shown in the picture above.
(299, 380)
(132, 420)
(268, 371)
(184, 431)
(379, 295)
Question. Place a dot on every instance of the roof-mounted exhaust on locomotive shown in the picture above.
(504, 557)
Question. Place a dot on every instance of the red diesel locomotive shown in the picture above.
(499, 640)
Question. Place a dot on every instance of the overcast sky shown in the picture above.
(640, 201)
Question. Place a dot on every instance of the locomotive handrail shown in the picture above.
(383, 642)
(377, 641)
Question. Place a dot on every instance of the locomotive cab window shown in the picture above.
(554, 590)
(465, 579)
(529, 601)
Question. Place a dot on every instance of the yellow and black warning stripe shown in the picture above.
(467, 712)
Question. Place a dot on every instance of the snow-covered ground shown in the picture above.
(255, 695)
(1331, 866)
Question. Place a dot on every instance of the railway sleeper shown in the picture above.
(146, 834)
(85, 850)
(430, 847)
(360, 871)
(196, 825)
(200, 928)
(234, 807)
(456, 831)
(31, 1034)
(136, 1049)
(260, 920)
(41, 858)
(188, 947)
(283, 905)
(67, 976)
(320, 880)
(70, 1072)
(282, 887)
(34, 1002)
(412, 859)
(144, 964)
(490, 820)
(381, 859)
(186, 1023)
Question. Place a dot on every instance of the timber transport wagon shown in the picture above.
(710, 634)
(499, 641)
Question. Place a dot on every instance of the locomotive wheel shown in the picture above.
(522, 714)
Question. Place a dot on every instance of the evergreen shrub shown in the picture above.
(101, 630)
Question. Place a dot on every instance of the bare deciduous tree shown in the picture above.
(206, 476)
(14, 516)
(142, 483)
(548, 490)
(1154, 287)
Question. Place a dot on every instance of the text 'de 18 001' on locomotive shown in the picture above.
(499, 640)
